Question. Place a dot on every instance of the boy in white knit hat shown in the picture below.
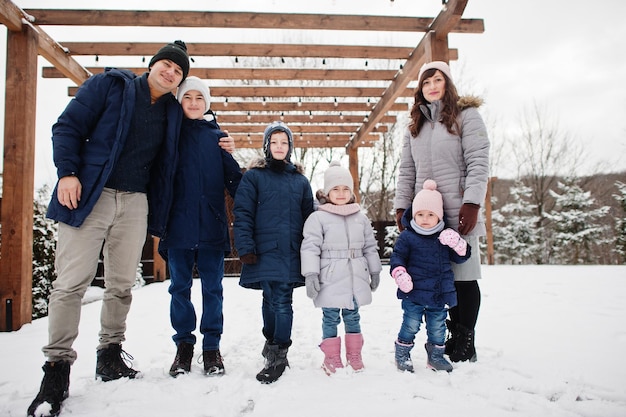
(197, 229)
(421, 266)
(341, 266)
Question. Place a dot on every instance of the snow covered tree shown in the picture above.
(44, 242)
(620, 222)
(575, 224)
(516, 238)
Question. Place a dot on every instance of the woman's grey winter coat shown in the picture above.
(459, 164)
(342, 249)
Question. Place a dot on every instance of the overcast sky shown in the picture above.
(565, 57)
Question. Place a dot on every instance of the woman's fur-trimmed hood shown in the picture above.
(470, 101)
(261, 163)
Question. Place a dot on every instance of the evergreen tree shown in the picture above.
(44, 242)
(575, 224)
(620, 222)
(515, 236)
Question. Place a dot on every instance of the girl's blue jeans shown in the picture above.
(435, 319)
(210, 266)
(331, 319)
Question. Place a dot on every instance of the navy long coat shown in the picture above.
(198, 216)
(90, 134)
(270, 210)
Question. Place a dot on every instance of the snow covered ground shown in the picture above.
(551, 341)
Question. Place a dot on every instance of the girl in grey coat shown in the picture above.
(341, 266)
(447, 141)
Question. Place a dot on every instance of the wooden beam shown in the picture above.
(11, 16)
(296, 129)
(304, 106)
(261, 73)
(255, 141)
(18, 179)
(60, 58)
(242, 50)
(314, 91)
(452, 10)
(253, 20)
(296, 118)
(278, 91)
(14, 18)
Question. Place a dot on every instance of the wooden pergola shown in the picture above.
(324, 106)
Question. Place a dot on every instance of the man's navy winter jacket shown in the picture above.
(89, 136)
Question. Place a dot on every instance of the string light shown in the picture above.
(341, 115)
(226, 102)
(310, 114)
(249, 116)
(264, 102)
(300, 102)
(336, 103)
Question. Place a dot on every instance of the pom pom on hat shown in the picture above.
(337, 175)
(194, 83)
(428, 199)
(439, 65)
(175, 52)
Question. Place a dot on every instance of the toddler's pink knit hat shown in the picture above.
(428, 199)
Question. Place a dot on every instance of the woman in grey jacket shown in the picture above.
(447, 141)
(341, 266)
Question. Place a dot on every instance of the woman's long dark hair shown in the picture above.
(449, 109)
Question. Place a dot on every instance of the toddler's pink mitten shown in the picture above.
(451, 238)
(402, 278)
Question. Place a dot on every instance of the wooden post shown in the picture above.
(18, 180)
(488, 222)
(353, 167)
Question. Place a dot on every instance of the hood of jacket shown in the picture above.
(466, 102)
(261, 163)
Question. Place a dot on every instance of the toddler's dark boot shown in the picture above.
(53, 391)
(464, 349)
(436, 361)
(213, 363)
(111, 364)
(182, 361)
(403, 356)
(275, 364)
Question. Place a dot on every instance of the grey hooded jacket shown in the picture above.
(459, 164)
(339, 246)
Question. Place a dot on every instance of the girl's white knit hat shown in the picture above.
(337, 175)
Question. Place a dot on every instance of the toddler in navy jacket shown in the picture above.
(421, 266)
